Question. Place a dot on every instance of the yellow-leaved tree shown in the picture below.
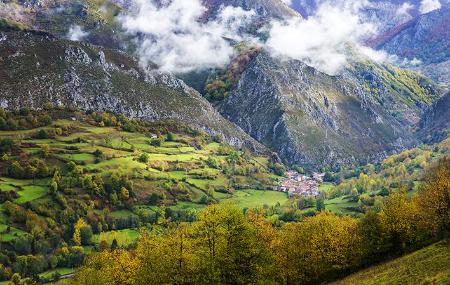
(77, 231)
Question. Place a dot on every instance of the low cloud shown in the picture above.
(76, 33)
(429, 5)
(404, 9)
(322, 41)
(174, 37)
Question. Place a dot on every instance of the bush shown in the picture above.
(144, 157)
(6, 145)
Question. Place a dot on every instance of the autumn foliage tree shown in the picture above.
(225, 246)
(434, 199)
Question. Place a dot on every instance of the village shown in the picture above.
(296, 184)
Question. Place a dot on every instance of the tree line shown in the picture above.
(224, 245)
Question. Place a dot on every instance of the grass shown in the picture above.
(78, 157)
(30, 193)
(430, 265)
(123, 237)
(61, 271)
(326, 187)
(122, 214)
(11, 235)
(252, 198)
(340, 205)
(7, 187)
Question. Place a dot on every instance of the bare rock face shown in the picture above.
(316, 120)
(36, 69)
(425, 38)
(266, 9)
(435, 123)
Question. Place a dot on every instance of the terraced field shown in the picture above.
(167, 172)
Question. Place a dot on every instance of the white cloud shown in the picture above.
(173, 37)
(404, 9)
(323, 39)
(287, 2)
(76, 33)
(429, 5)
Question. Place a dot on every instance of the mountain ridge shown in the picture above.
(315, 120)
(37, 68)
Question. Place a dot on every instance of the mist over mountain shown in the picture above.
(305, 58)
(224, 142)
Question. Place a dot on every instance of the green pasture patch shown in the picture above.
(124, 237)
(100, 130)
(171, 144)
(122, 214)
(429, 265)
(174, 150)
(196, 194)
(7, 187)
(176, 157)
(30, 193)
(339, 205)
(203, 183)
(325, 187)
(62, 271)
(187, 205)
(11, 235)
(251, 198)
(127, 163)
(212, 147)
(79, 157)
(179, 175)
(221, 196)
(20, 133)
(32, 150)
(205, 171)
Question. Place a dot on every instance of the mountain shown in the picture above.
(316, 120)
(435, 124)
(425, 38)
(265, 9)
(94, 18)
(385, 13)
(37, 68)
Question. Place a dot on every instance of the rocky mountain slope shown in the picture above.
(317, 120)
(435, 124)
(36, 69)
(386, 13)
(426, 38)
(95, 19)
(266, 9)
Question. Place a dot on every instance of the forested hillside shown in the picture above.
(70, 181)
(226, 246)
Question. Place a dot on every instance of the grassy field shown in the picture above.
(31, 193)
(61, 271)
(325, 187)
(430, 265)
(9, 235)
(340, 205)
(123, 237)
(251, 198)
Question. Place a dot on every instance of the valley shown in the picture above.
(224, 142)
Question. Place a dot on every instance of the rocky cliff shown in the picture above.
(425, 38)
(435, 123)
(317, 120)
(266, 9)
(36, 69)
